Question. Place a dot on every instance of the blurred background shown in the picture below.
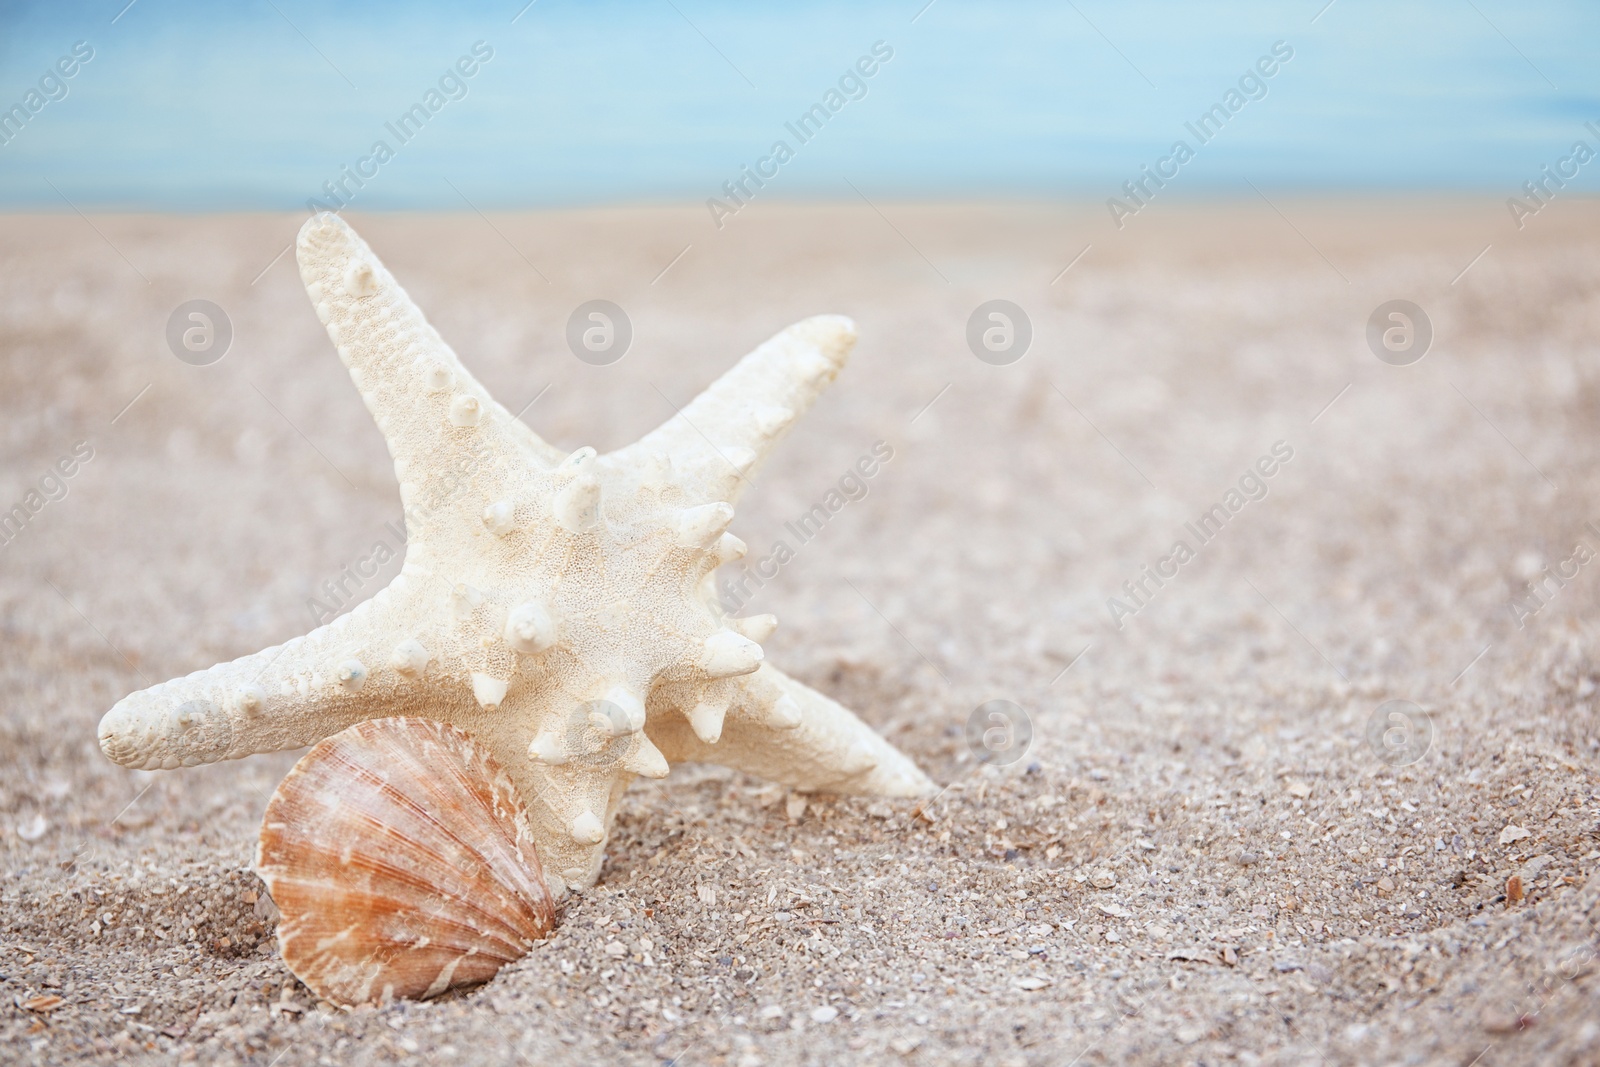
(190, 106)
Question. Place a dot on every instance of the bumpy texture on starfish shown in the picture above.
(558, 607)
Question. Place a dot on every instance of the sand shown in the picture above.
(1200, 858)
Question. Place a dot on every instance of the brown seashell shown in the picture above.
(400, 856)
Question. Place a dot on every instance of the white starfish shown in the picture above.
(559, 607)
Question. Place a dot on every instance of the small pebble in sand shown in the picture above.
(1514, 889)
(825, 1014)
(1498, 1020)
(32, 829)
(1513, 832)
(1102, 878)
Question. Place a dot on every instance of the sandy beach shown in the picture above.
(1209, 852)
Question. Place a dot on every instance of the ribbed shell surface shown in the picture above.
(399, 854)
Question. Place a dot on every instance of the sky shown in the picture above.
(255, 105)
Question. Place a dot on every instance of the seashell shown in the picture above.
(400, 856)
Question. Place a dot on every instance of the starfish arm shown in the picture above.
(829, 751)
(570, 768)
(284, 697)
(442, 427)
(573, 810)
(716, 440)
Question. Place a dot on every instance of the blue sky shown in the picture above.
(193, 107)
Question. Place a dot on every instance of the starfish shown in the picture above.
(557, 606)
